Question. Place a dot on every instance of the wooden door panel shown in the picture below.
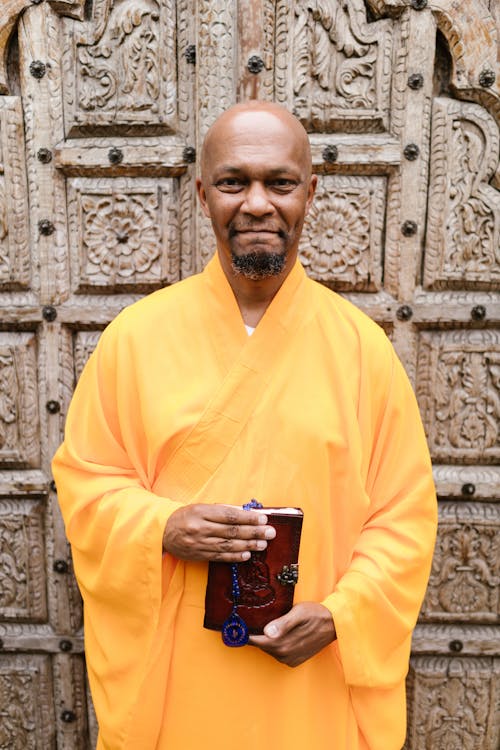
(332, 67)
(27, 720)
(19, 418)
(463, 228)
(463, 585)
(22, 555)
(121, 69)
(124, 234)
(459, 394)
(455, 703)
(342, 240)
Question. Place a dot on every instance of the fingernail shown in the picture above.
(271, 631)
(261, 544)
(262, 520)
(245, 555)
(270, 533)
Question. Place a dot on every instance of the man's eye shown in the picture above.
(283, 184)
(229, 184)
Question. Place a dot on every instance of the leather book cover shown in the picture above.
(266, 581)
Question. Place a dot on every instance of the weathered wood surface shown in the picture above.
(103, 108)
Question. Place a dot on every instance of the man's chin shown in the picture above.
(258, 264)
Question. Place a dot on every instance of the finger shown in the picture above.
(240, 538)
(282, 625)
(282, 651)
(237, 531)
(198, 529)
(231, 515)
(229, 557)
(234, 546)
(217, 525)
(261, 641)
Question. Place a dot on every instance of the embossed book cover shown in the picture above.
(262, 588)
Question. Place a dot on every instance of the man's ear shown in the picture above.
(310, 192)
(203, 197)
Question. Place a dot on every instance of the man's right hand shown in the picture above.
(216, 532)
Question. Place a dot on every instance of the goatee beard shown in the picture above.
(258, 265)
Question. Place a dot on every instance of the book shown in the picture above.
(266, 581)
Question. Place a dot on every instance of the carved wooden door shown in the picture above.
(103, 107)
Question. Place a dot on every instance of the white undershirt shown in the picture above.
(250, 330)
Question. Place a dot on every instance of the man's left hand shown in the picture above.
(298, 635)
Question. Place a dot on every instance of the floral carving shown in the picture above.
(9, 389)
(14, 249)
(468, 407)
(341, 242)
(22, 586)
(18, 406)
(125, 64)
(17, 725)
(466, 566)
(26, 713)
(134, 35)
(127, 232)
(120, 236)
(340, 68)
(459, 388)
(464, 210)
(13, 568)
(454, 704)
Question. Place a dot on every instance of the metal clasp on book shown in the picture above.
(289, 575)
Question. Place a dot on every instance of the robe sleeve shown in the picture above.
(115, 526)
(376, 602)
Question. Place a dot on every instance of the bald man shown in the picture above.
(247, 380)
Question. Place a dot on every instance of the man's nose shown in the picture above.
(257, 200)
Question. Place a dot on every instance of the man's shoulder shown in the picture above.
(366, 352)
(335, 309)
(160, 305)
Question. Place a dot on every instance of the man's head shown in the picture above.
(256, 187)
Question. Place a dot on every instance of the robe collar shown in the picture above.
(290, 306)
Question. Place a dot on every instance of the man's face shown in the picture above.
(256, 189)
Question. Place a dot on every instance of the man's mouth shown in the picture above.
(255, 230)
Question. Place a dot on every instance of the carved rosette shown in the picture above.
(463, 235)
(22, 569)
(19, 438)
(458, 388)
(121, 66)
(465, 576)
(126, 232)
(14, 214)
(341, 65)
(26, 707)
(455, 704)
(341, 244)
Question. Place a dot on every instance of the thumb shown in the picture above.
(280, 626)
(272, 629)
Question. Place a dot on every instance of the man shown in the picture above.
(182, 415)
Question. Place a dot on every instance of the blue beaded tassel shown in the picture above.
(234, 629)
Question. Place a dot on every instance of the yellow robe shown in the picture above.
(178, 404)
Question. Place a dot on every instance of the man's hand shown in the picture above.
(298, 635)
(215, 532)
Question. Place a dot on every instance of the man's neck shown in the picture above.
(254, 296)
